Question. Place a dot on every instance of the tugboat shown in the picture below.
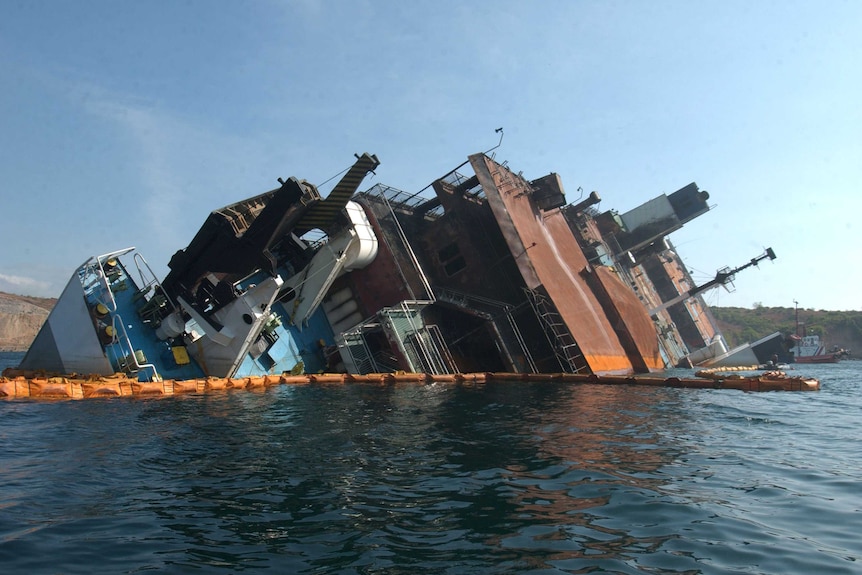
(809, 348)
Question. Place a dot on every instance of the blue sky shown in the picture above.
(126, 123)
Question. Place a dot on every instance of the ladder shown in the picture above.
(559, 337)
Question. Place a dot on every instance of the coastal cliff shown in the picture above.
(21, 317)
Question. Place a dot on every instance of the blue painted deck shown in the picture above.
(141, 333)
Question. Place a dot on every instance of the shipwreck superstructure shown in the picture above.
(495, 269)
(482, 271)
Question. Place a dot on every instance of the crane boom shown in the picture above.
(722, 277)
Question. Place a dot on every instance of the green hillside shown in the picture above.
(836, 328)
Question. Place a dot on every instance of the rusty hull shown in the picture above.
(548, 256)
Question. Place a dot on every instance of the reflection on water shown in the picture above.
(498, 478)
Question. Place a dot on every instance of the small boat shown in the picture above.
(771, 366)
(809, 349)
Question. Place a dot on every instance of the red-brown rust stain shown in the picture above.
(637, 321)
(679, 279)
(546, 244)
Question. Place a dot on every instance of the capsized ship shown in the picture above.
(491, 273)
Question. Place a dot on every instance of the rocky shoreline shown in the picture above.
(21, 317)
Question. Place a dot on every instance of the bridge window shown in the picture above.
(451, 259)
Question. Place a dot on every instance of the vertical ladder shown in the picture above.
(559, 337)
(359, 353)
(427, 351)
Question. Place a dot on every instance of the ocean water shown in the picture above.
(500, 478)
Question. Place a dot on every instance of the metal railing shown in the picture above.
(124, 354)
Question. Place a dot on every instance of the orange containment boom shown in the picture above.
(18, 384)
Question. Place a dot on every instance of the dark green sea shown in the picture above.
(407, 479)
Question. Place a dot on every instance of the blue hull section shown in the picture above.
(294, 351)
(135, 314)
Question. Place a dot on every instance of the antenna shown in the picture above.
(498, 131)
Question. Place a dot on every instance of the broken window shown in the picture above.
(451, 259)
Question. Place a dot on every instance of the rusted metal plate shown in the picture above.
(635, 320)
(548, 255)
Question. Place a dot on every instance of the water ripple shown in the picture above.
(503, 478)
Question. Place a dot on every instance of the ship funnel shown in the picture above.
(590, 200)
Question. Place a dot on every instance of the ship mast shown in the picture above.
(722, 277)
(796, 306)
